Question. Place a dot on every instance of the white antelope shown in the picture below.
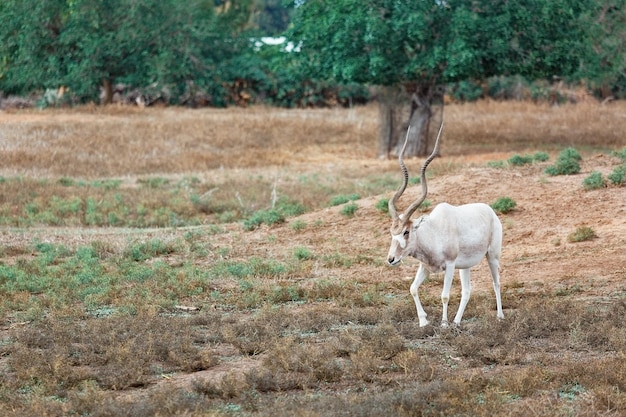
(451, 237)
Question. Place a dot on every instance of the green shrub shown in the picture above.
(518, 160)
(618, 176)
(342, 199)
(382, 205)
(290, 208)
(302, 254)
(621, 154)
(503, 205)
(349, 209)
(541, 156)
(594, 181)
(465, 91)
(570, 153)
(269, 217)
(150, 249)
(581, 234)
(566, 163)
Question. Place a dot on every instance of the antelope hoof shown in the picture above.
(444, 324)
(424, 322)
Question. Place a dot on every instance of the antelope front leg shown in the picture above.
(445, 294)
(422, 274)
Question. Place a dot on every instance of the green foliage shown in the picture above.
(465, 91)
(254, 267)
(283, 208)
(618, 176)
(342, 199)
(451, 42)
(302, 254)
(150, 249)
(566, 163)
(290, 208)
(382, 205)
(136, 47)
(605, 38)
(269, 217)
(582, 234)
(503, 205)
(349, 209)
(570, 153)
(594, 181)
(518, 160)
(621, 154)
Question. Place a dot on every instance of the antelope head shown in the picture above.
(401, 223)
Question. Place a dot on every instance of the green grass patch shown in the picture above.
(618, 175)
(151, 249)
(349, 209)
(518, 160)
(594, 181)
(566, 164)
(503, 205)
(621, 154)
(382, 205)
(342, 199)
(268, 217)
(302, 254)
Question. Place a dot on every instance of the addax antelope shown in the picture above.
(449, 238)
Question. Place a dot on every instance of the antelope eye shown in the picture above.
(406, 233)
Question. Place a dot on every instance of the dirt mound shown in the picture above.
(537, 254)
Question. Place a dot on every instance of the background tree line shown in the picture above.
(194, 52)
(208, 52)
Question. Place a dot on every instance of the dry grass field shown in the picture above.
(231, 262)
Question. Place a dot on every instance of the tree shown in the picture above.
(412, 47)
(606, 70)
(271, 17)
(29, 33)
(84, 44)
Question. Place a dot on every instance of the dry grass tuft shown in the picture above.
(116, 352)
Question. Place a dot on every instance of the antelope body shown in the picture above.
(449, 238)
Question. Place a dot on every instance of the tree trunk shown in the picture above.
(419, 121)
(107, 91)
(413, 105)
(423, 109)
(390, 106)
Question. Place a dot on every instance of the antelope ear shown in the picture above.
(417, 222)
